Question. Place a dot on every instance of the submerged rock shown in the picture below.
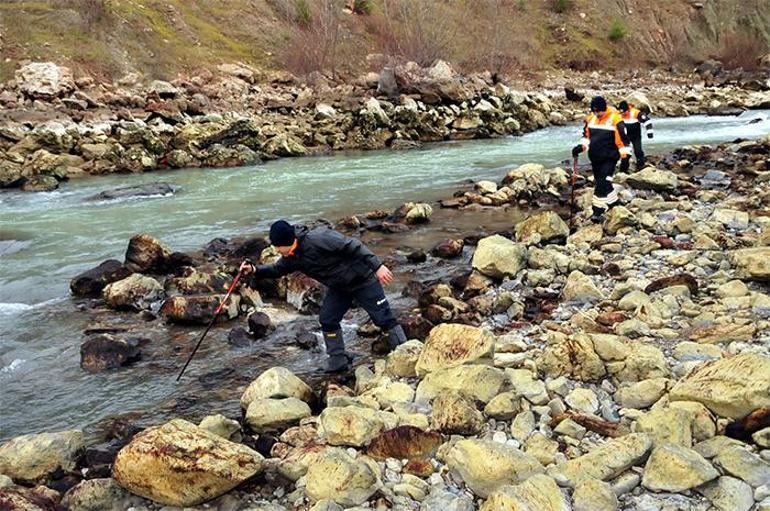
(106, 351)
(199, 309)
(148, 190)
(92, 282)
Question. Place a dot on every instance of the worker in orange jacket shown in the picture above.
(606, 140)
(634, 118)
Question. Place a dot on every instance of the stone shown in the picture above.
(455, 414)
(722, 333)
(730, 218)
(44, 80)
(542, 448)
(581, 288)
(605, 461)
(574, 357)
(539, 492)
(752, 263)
(284, 145)
(732, 289)
(446, 501)
(504, 406)
(762, 437)
(651, 178)
(641, 394)
(450, 345)
(682, 279)
(276, 383)
(633, 300)
(105, 351)
(667, 426)
(743, 464)
(91, 282)
(404, 442)
(728, 494)
(524, 383)
(548, 226)
(18, 498)
(730, 387)
(350, 425)
(336, 476)
(266, 415)
(618, 218)
(260, 324)
(35, 457)
(594, 495)
(479, 382)
(419, 214)
(701, 420)
(644, 361)
(687, 351)
(448, 249)
(199, 309)
(180, 464)
(133, 293)
(97, 495)
(583, 400)
(146, 254)
(222, 426)
(675, 468)
(499, 257)
(485, 465)
(402, 361)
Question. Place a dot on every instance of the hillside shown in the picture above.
(161, 38)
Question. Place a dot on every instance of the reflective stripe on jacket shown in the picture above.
(605, 137)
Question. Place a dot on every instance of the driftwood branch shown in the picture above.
(591, 422)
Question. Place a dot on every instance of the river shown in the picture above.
(47, 238)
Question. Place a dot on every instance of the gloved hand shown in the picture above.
(246, 267)
(577, 150)
(649, 135)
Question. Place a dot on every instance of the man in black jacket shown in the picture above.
(347, 268)
(634, 118)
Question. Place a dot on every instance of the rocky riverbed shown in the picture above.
(619, 366)
(56, 127)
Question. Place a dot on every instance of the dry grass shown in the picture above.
(741, 50)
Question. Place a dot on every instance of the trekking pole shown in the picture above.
(573, 180)
(211, 323)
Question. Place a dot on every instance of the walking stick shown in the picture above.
(211, 323)
(573, 180)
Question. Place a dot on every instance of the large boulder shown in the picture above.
(105, 351)
(605, 461)
(405, 442)
(34, 457)
(730, 387)
(350, 425)
(181, 464)
(276, 383)
(651, 178)
(199, 309)
(580, 288)
(451, 345)
(539, 492)
(44, 80)
(264, 415)
(92, 282)
(480, 382)
(336, 476)
(676, 468)
(499, 257)
(485, 465)
(752, 263)
(402, 362)
(284, 144)
(455, 414)
(548, 226)
(146, 254)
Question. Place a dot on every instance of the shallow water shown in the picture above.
(47, 238)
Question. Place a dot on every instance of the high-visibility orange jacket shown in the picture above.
(605, 137)
(633, 119)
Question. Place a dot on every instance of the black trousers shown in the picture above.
(636, 141)
(371, 297)
(604, 192)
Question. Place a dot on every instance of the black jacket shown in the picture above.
(605, 137)
(329, 257)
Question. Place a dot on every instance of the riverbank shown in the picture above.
(56, 128)
(623, 353)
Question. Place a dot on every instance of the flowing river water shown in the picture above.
(47, 238)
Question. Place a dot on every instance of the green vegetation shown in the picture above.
(617, 30)
(363, 6)
(562, 6)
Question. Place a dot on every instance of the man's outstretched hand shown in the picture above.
(246, 267)
(384, 275)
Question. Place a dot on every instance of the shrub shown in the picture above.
(302, 9)
(562, 6)
(617, 30)
(362, 6)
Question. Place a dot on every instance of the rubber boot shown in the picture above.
(396, 337)
(338, 361)
(597, 215)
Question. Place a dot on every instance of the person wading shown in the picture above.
(348, 269)
(633, 118)
(605, 138)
